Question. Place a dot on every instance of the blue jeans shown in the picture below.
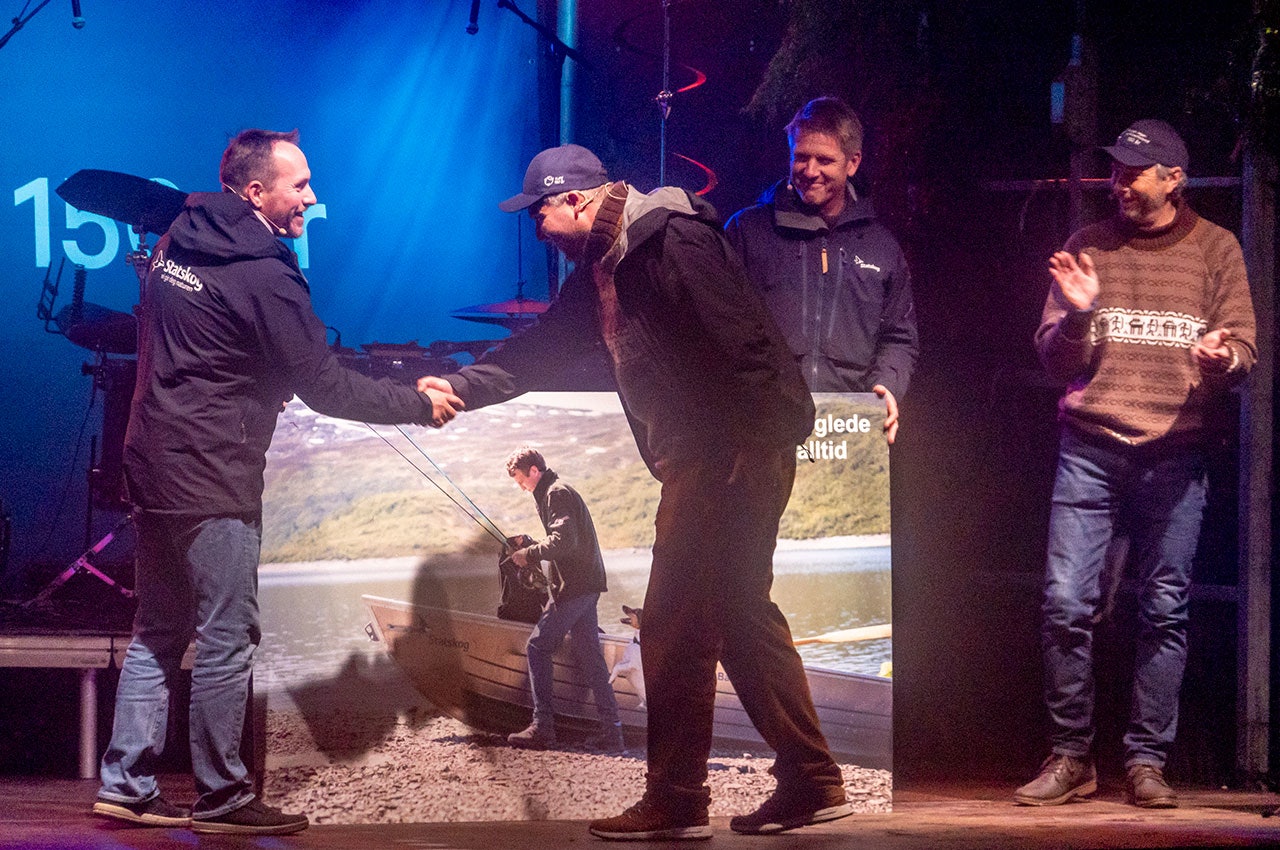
(195, 577)
(575, 617)
(1156, 496)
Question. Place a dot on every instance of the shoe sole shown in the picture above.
(215, 828)
(820, 816)
(1157, 803)
(1084, 790)
(116, 811)
(684, 833)
(521, 744)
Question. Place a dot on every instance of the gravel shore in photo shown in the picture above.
(425, 767)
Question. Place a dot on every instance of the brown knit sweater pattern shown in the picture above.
(1127, 363)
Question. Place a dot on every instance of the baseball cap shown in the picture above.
(1149, 142)
(557, 170)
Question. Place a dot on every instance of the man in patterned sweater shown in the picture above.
(1148, 322)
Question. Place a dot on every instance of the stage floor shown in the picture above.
(52, 814)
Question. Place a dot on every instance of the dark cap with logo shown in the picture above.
(557, 170)
(1149, 142)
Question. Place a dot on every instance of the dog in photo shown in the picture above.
(629, 665)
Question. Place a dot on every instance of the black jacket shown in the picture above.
(571, 543)
(704, 368)
(227, 335)
(852, 327)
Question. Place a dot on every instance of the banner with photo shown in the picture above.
(387, 683)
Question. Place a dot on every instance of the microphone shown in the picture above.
(77, 19)
(472, 28)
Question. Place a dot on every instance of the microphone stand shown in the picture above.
(558, 48)
(19, 22)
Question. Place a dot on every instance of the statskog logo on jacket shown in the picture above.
(174, 274)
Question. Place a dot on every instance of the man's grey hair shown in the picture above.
(563, 197)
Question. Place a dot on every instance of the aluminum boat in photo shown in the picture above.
(473, 667)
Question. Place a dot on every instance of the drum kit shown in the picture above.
(148, 207)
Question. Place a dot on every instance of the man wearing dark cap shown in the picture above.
(717, 406)
(1149, 323)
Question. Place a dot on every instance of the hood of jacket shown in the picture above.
(643, 216)
(219, 227)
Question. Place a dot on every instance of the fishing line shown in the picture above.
(488, 524)
(446, 477)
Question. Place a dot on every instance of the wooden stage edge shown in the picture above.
(88, 653)
(52, 814)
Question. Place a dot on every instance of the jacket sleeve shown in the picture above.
(563, 336)
(700, 268)
(293, 339)
(1062, 340)
(898, 341)
(1232, 307)
(563, 536)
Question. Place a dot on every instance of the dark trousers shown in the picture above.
(708, 601)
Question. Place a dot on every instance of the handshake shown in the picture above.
(444, 404)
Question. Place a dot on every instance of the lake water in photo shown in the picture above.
(313, 619)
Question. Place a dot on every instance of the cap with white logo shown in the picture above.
(557, 170)
(1149, 142)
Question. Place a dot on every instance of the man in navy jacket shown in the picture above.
(834, 278)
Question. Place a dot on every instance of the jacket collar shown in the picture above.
(790, 214)
(544, 483)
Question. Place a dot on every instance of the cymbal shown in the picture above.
(514, 313)
(99, 328)
(133, 200)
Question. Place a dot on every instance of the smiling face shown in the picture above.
(285, 201)
(1143, 193)
(820, 170)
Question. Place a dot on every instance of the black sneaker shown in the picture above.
(649, 820)
(154, 812)
(791, 808)
(253, 818)
(1060, 778)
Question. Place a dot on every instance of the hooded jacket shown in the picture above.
(700, 365)
(227, 335)
(852, 325)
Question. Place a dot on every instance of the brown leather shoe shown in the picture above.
(1147, 789)
(535, 736)
(1060, 778)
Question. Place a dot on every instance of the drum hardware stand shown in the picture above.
(140, 259)
(83, 565)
